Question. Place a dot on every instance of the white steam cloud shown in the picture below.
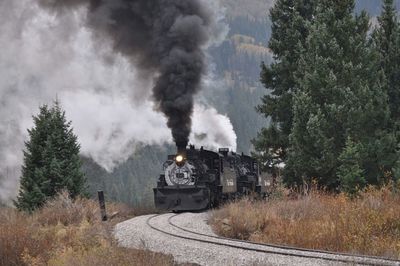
(44, 56)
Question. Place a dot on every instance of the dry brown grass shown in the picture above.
(66, 232)
(368, 225)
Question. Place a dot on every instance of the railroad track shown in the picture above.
(180, 232)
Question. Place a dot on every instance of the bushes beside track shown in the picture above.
(66, 232)
(368, 224)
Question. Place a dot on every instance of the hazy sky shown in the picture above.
(44, 56)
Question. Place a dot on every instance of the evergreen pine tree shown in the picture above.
(350, 174)
(340, 97)
(51, 160)
(289, 32)
(387, 42)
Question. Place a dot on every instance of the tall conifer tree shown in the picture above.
(387, 42)
(340, 102)
(51, 160)
(289, 19)
(386, 39)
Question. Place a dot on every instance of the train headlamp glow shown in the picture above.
(179, 158)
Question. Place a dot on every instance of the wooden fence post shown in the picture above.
(102, 204)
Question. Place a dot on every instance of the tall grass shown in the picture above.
(369, 224)
(67, 232)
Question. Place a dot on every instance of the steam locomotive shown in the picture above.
(198, 179)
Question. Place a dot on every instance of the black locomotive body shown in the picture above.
(197, 179)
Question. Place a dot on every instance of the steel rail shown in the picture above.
(323, 252)
(309, 256)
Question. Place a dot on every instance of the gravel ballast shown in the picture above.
(136, 233)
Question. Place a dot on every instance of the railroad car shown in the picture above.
(198, 179)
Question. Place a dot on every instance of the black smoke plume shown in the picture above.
(163, 38)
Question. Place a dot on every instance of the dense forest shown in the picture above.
(334, 96)
(237, 63)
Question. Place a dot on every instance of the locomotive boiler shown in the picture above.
(198, 179)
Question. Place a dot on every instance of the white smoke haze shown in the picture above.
(46, 56)
(110, 127)
(212, 130)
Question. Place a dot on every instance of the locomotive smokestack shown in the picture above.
(164, 39)
(181, 148)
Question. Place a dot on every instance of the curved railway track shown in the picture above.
(180, 232)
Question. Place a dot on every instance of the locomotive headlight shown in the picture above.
(179, 158)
